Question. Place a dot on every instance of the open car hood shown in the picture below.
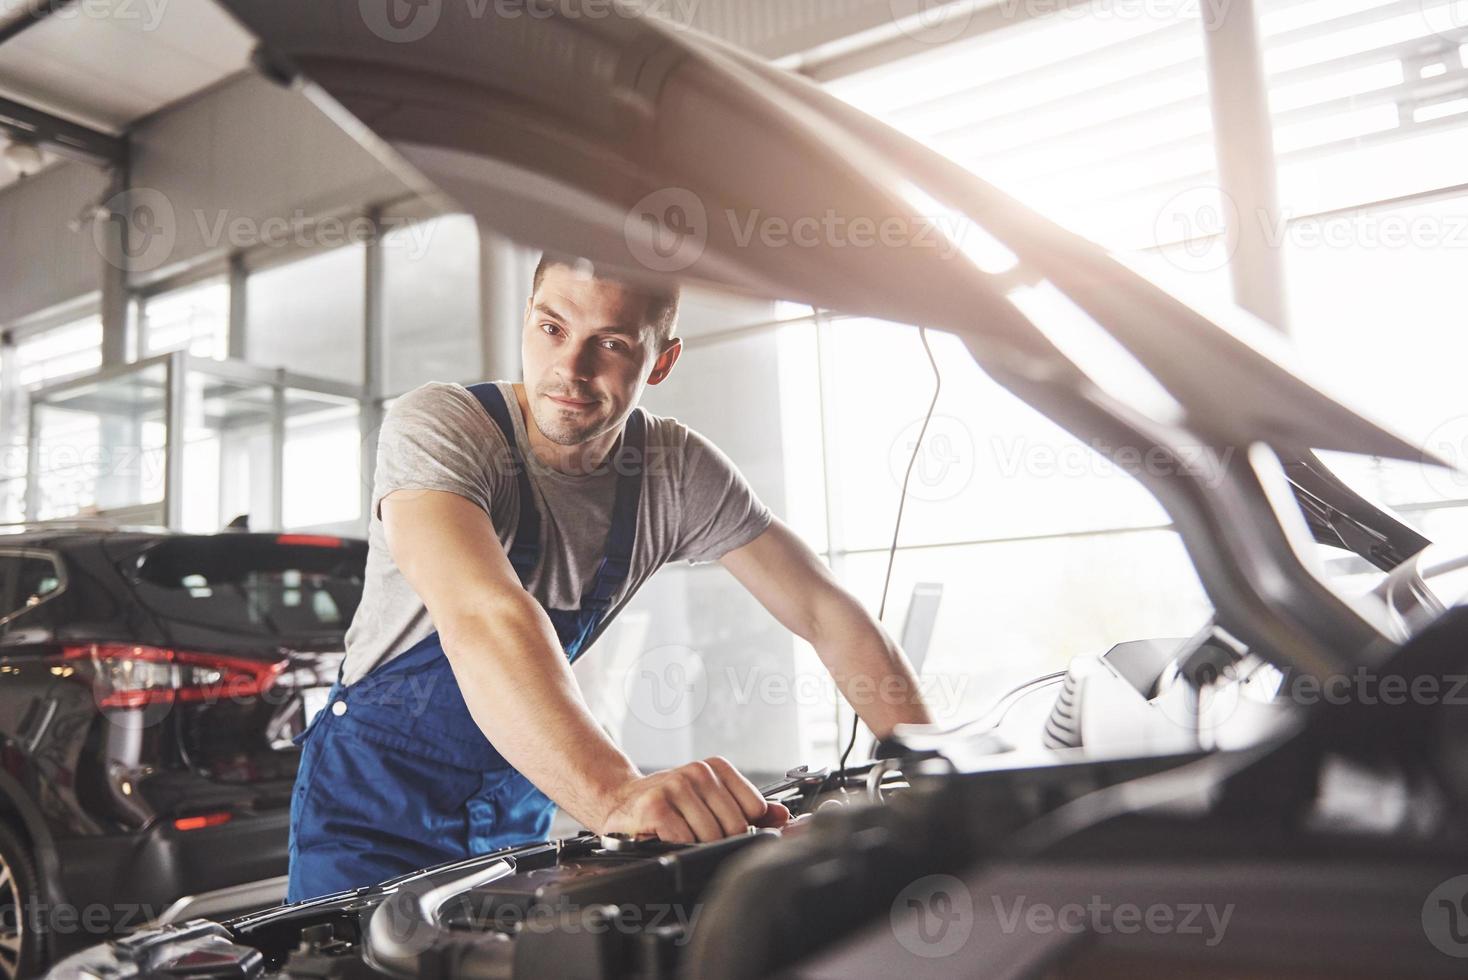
(650, 150)
(555, 130)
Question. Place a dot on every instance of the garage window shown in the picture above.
(26, 580)
(194, 318)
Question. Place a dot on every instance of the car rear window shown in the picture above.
(282, 587)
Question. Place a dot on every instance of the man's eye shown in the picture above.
(613, 345)
(550, 328)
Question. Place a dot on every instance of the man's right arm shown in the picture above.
(520, 690)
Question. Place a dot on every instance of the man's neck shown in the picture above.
(577, 460)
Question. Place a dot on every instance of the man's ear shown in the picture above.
(663, 366)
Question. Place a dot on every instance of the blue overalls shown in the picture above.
(395, 775)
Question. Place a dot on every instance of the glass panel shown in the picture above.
(695, 667)
(322, 466)
(307, 315)
(1097, 115)
(195, 319)
(1367, 98)
(1014, 610)
(991, 466)
(227, 456)
(12, 501)
(73, 348)
(431, 316)
(777, 424)
(1375, 311)
(100, 447)
(251, 586)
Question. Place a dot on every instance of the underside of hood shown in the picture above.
(594, 130)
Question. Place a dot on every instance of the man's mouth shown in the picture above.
(573, 403)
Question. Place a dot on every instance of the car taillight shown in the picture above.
(200, 822)
(313, 540)
(132, 676)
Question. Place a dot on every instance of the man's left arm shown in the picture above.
(782, 572)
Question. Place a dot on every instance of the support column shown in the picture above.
(369, 419)
(504, 286)
(1244, 143)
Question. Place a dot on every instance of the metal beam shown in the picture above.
(61, 136)
(1244, 143)
(30, 17)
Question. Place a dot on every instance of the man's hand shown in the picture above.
(700, 801)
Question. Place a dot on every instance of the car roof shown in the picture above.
(62, 536)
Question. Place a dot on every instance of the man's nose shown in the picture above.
(577, 360)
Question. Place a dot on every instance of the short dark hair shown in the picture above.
(662, 304)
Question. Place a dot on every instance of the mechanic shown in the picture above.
(510, 523)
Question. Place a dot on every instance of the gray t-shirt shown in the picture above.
(695, 506)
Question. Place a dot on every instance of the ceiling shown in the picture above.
(108, 63)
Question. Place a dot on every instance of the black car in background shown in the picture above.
(150, 684)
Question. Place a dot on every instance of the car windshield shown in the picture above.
(253, 586)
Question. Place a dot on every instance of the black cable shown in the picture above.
(897, 528)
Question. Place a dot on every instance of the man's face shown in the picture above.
(587, 351)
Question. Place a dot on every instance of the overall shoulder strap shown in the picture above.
(525, 549)
(629, 463)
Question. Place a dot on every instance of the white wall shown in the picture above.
(42, 261)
